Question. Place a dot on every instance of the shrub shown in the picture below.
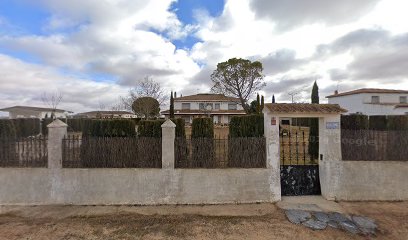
(378, 122)
(150, 128)
(247, 126)
(108, 128)
(399, 122)
(202, 128)
(354, 122)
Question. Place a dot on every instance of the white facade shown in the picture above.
(27, 113)
(373, 103)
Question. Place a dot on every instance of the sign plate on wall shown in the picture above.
(332, 125)
(273, 121)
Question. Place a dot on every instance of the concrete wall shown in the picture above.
(134, 186)
(372, 180)
(56, 185)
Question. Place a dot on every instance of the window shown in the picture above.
(232, 106)
(185, 106)
(217, 106)
(201, 106)
(403, 99)
(285, 122)
(375, 99)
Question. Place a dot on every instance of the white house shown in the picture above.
(106, 114)
(372, 101)
(34, 112)
(217, 106)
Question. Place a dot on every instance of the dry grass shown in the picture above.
(391, 217)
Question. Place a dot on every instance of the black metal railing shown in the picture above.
(294, 148)
(23, 152)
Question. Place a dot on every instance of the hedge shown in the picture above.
(44, 124)
(354, 122)
(202, 128)
(378, 122)
(109, 128)
(397, 122)
(26, 127)
(180, 127)
(7, 129)
(247, 126)
(150, 128)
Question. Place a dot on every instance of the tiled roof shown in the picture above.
(369, 90)
(37, 109)
(304, 108)
(207, 97)
(193, 112)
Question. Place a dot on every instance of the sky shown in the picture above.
(94, 51)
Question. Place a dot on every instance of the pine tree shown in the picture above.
(171, 105)
(273, 98)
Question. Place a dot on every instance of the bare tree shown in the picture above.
(144, 88)
(52, 100)
(239, 78)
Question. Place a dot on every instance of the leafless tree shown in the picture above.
(52, 100)
(147, 87)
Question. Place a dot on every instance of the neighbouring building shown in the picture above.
(34, 112)
(372, 101)
(106, 114)
(217, 106)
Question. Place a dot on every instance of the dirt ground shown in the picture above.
(392, 218)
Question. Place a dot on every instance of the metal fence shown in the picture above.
(294, 148)
(373, 145)
(111, 152)
(220, 152)
(23, 152)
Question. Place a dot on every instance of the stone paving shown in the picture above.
(321, 220)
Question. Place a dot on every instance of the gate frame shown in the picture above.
(329, 140)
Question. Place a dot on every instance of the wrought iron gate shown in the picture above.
(298, 170)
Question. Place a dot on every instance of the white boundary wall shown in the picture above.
(56, 185)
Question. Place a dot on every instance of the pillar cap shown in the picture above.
(168, 124)
(57, 124)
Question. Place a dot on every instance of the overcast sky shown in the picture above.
(93, 51)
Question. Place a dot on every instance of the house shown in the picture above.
(106, 114)
(372, 101)
(217, 106)
(34, 112)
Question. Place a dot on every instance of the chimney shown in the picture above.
(336, 92)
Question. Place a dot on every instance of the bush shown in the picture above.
(108, 128)
(150, 128)
(26, 127)
(378, 123)
(354, 122)
(247, 126)
(397, 122)
(202, 128)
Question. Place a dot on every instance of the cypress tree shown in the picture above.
(171, 105)
(314, 127)
(262, 103)
(258, 104)
(315, 93)
(273, 98)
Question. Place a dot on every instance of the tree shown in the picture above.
(238, 78)
(171, 105)
(147, 107)
(314, 127)
(144, 88)
(262, 103)
(253, 107)
(258, 104)
(52, 100)
(315, 93)
(273, 98)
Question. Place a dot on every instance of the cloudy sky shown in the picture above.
(93, 51)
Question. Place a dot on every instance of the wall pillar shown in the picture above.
(330, 155)
(56, 132)
(271, 131)
(168, 137)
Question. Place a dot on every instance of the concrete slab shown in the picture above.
(310, 203)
